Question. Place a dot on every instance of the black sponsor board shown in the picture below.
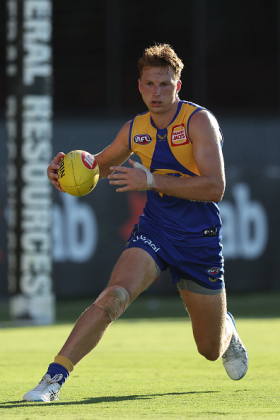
(29, 141)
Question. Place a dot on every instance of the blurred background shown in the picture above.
(231, 52)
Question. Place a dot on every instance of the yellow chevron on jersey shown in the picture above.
(167, 151)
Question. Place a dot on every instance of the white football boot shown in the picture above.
(235, 359)
(47, 390)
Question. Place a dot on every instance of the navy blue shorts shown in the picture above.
(202, 264)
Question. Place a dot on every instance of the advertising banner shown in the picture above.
(29, 131)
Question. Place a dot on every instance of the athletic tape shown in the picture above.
(150, 178)
(114, 300)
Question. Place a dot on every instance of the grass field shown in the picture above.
(146, 368)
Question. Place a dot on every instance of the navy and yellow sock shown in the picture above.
(64, 361)
(61, 365)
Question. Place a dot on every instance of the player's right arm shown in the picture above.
(114, 155)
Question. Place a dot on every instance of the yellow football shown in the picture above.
(78, 173)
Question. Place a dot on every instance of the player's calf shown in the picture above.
(211, 351)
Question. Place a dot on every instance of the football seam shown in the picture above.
(77, 186)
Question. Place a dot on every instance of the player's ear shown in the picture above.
(139, 81)
(179, 85)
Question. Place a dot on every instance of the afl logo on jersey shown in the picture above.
(142, 139)
(179, 135)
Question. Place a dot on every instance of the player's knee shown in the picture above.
(114, 300)
(210, 351)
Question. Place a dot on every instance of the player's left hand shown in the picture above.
(131, 179)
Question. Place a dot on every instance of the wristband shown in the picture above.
(151, 184)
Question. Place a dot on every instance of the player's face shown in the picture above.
(159, 89)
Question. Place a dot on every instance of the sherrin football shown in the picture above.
(78, 173)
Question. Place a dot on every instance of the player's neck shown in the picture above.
(162, 120)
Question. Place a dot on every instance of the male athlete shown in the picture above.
(182, 170)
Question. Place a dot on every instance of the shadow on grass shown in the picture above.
(100, 400)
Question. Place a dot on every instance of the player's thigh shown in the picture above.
(135, 270)
(207, 313)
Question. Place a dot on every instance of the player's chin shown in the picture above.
(156, 107)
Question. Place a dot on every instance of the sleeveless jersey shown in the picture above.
(169, 152)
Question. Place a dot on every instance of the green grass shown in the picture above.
(143, 369)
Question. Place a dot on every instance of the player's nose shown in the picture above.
(157, 90)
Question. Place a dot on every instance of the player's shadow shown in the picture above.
(100, 400)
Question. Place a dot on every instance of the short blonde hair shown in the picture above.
(161, 55)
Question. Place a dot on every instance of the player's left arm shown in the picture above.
(209, 186)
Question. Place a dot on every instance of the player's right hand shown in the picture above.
(52, 170)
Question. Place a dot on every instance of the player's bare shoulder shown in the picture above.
(123, 135)
(203, 124)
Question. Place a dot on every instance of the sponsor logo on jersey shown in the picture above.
(142, 139)
(88, 160)
(179, 135)
(210, 232)
(146, 241)
(213, 270)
